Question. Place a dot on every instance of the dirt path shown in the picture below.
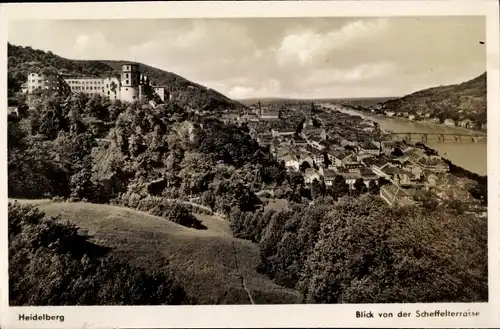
(243, 284)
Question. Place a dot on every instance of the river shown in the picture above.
(469, 155)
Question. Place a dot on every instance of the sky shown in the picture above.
(336, 57)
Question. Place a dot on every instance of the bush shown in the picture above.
(173, 211)
(180, 214)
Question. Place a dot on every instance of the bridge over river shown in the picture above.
(465, 151)
(439, 137)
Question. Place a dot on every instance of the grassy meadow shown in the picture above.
(203, 261)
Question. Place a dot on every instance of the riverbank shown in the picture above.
(481, 192)
(431, 124)
(468, 155)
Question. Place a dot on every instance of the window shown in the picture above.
(126, 82)
(126, 88)
(126, 75)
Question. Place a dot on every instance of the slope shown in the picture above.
(187, 94)
(203, 261)
(466, 100)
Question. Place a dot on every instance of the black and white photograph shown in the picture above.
(248, 161)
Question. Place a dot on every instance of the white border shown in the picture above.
(265, 316)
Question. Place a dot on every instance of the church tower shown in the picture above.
(129, 90)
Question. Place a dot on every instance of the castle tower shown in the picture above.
(129, 90)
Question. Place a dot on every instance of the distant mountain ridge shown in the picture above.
(466, 100)
(276, 100)
(185, 93)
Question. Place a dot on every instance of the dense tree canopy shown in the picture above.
(366, 253)
(362, 251)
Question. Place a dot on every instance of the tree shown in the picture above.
(32, 173)
(318, 189)
(295, 179)
(373, 188)
(360, 186)
(339, 187)
(304, 166)
(208, 199)
(300, 127)
(81, 185)
(397, 152)
(180, 214)
(383, 181)
(428, 201)
(53, 119)
(81, 148)
(363, 243)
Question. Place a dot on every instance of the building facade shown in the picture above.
(162, 93)
(52, 82)
(129, 88)
(108, 87)
(131, 85)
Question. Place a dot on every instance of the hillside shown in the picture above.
(365, 101)
(203, 261)
(187, 94)
(466, 100)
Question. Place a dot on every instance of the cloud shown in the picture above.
(240, 92)
(305, 46)
(90, 45)
(269, 87)
(284, 57)
(82, 43)
(359, 73)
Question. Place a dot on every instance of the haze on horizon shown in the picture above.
(280, 57)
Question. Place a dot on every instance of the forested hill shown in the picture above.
(187, 94)
(466, 100)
